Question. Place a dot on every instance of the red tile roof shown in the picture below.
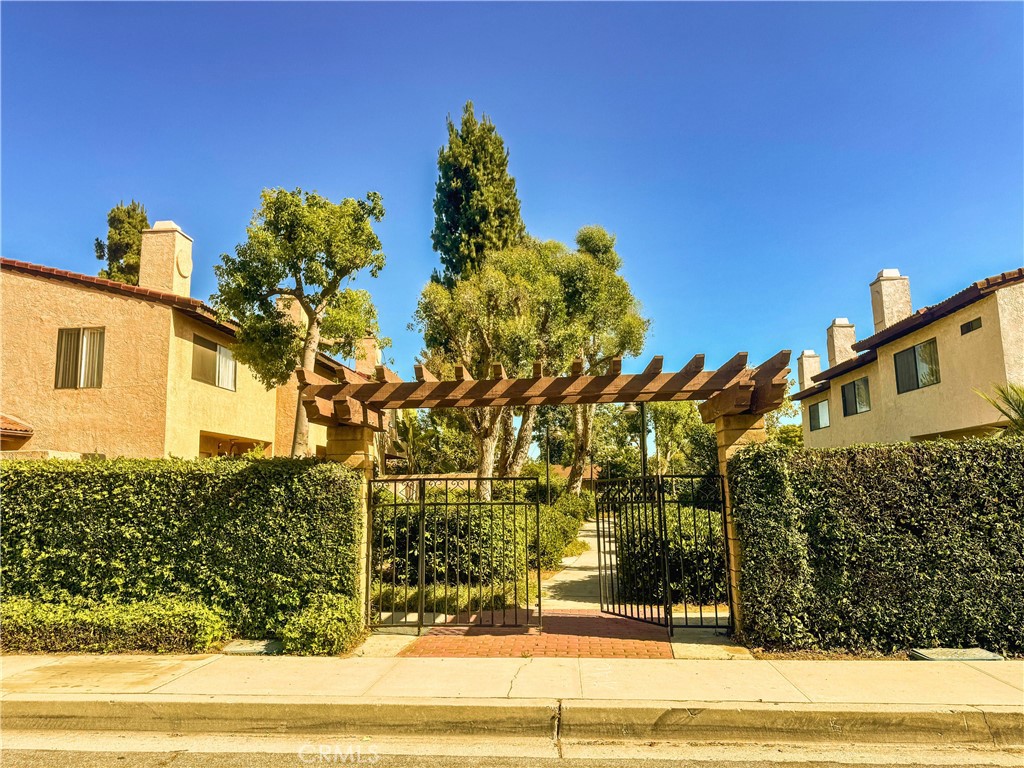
(192, 307)
(12, 426)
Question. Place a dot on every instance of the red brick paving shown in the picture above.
(566, 634)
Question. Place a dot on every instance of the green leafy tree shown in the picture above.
(476, 208)
(300, 247)
(606, 320)
(123, 246)
(509, 312)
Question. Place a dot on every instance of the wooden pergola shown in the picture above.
(732, 390)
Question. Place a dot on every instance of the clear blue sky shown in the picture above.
(759, 163)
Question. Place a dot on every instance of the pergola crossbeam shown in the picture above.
(732, 389)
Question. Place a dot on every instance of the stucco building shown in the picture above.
(94, 367)
(917, 377)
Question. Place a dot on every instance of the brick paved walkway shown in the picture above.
(567, 634)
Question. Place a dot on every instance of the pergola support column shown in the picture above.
(733, 433)
(355, 447)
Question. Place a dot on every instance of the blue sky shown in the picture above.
(759, 163)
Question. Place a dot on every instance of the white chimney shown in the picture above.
(890, 298)
(165, 263)
(807, 365)
(841, 338)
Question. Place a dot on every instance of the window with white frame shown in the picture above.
(818, 414)
(79, 358)
(213, 363)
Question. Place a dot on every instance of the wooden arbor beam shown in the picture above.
(732, 389)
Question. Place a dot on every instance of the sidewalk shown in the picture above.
(854, 701)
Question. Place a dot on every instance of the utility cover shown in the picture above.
(954, 654)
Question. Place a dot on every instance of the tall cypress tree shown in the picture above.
(121, 251)
(476, 208)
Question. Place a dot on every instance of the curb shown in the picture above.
(999, 726)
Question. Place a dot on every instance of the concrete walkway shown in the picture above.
(577, 587)
(797, 701)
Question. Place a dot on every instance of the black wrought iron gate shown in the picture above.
(454, 552)
(662, 549)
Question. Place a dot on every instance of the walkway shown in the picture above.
(574, 626)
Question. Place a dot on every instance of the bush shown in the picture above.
(580, 507)
(157, 626)
(249, 538)
(328, 626)
(558, 530)
(883, 547)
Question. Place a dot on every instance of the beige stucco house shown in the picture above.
(918, 376)
(94, 367)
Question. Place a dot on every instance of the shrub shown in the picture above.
(249, 538)
(160, 626)
(883, 547)
(580, 507)
(329, 625)
(557, 530)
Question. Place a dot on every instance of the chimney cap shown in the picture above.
(808, 353)
(888, 273)
(167, 226)
(841, 321)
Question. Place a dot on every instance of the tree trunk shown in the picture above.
(300, 437)
(523, 441)
(583, 418)
(506, 440)
(485, 433)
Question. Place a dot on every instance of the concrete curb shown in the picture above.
(567, 718)
(804, 723)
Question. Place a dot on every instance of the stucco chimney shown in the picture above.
(807, 365)
(368, 356)
(165, 263)
(841, 337)
(890, 298)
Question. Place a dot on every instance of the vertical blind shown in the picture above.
(79, 358)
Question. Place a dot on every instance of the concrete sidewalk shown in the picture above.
(856, 701)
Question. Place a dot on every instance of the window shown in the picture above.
(970, 325)
(212, 363)
(917, 367)
(79, 358)
(856, 397)
(819, 415)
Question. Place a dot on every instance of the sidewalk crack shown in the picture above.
(512, 682)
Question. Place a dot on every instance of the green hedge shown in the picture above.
(160, 626)
(250, 538)
(882, 547)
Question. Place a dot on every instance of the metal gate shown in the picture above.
(662, 550)
(454, 552)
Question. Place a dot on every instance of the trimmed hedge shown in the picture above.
(882, 547)
(330, 625)
(250, 538)
(160, 626)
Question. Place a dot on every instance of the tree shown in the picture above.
(303, 246)
(606, 320)
(123, 247)
(510, 311)
(476, 209)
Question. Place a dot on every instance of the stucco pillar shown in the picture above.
(732, 433)
(355, 447)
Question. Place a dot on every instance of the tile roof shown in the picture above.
(192, 307)
(14, 427)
